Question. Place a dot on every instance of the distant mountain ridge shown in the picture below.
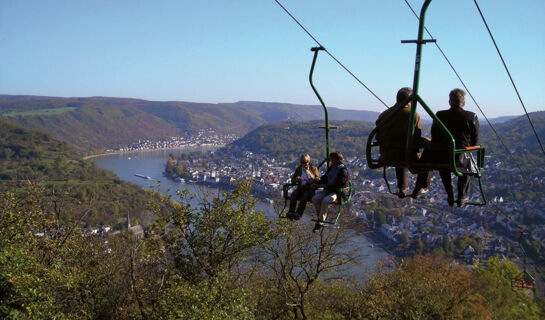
(277, 112)
(95, 123)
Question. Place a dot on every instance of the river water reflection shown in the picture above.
(151, 164)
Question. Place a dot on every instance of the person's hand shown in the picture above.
(315, 186)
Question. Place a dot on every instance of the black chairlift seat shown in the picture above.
(286, 195)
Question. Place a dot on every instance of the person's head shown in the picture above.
(403, 94)
(305, 160)
(336, 158)
(457, 98)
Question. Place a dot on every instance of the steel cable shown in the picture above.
(330, 54)
(510, 77)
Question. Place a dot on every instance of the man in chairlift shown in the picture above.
(464, 127)
(392, 137)
(335, 181)
(304, 176)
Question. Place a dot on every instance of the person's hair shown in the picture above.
(305, 157)
(457, 98)
(403, 94)
(337, 156)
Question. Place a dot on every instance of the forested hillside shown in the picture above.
(92, 124)
(30, 157)
(276, 112)
(288, 140)
(518, 136)
(220, 260)
(224, 260)
(88, 124)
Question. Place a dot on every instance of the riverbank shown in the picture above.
(201, 147)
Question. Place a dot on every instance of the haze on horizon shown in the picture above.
(222, 51)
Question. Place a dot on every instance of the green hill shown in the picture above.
(34, 157)
(519, 138)
(288, 140)
(92, 124)
(97, 123)
(277, 112)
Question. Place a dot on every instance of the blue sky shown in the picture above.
(226, 51)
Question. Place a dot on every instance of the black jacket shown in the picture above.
(462, 124)
(464, 127)
(341, 181)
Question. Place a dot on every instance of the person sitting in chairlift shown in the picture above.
(392, 137)
(464, 127)
(304, 176)
(334, 181)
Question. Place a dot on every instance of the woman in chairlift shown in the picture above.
(304, 176)
(335, 183)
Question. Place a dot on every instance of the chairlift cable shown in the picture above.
(469, 92)
(510, 77)
(331, 55)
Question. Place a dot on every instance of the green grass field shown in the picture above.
(40, 112)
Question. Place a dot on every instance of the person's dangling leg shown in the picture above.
(446, 178)
(463, 190)
(306, 196)
(326, 201)
(402, 182)
(295, 195)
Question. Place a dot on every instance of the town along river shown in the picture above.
(152, 163)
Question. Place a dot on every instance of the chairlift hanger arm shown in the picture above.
(316, 50)
(416, 78)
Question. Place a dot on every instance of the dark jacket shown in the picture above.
(464, 127)
(462, 124)
(392, 135)
(340, 181)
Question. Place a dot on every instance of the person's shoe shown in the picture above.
(317, 227)
(450, 200)
(297, 215)
(402, 193)
(291, 215)
(421, 193)
(462, 202)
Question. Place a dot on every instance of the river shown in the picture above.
(152, 163)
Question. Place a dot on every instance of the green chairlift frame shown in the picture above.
(327, 127)
(527, 281)
(410, 163)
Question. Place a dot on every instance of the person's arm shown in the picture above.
(323, 179)
(475, 135)
(296, 174)
(341, 180)
(417, 127)
(316, 173)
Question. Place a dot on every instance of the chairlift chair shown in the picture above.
(286, 187)
(415, 165)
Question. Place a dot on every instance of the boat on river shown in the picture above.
(143, 176)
